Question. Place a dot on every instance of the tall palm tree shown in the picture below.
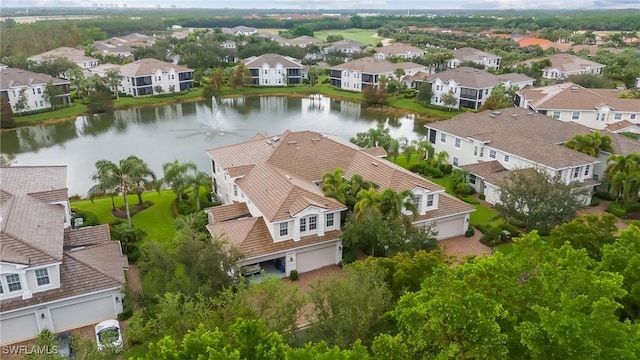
(590, 144)
(423, 148)
(394, 149)
(408, 151)
(199, 180)
(623, 172)
(114, 79)
(392, 203)
(143, 178)
(334, 185)
(176, 175)
(100, 190)
(121, 175)
(368, 202)
(356, 184)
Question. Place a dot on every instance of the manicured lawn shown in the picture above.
(411, 104)
(68, 112)
(361, 35)
(157, 221)
(504, 248)
(158, 99)
(484, 215)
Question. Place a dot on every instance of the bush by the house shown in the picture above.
(594, 201)
(470, 232)
(348, 256)
(496, 235)
(464, 189)
(617, 210)
(88, 219)
(513, 230)
(604, 195)
(469, 200)
(446, 168)
(184, 208)
(293, 276)
(632, 207)
(482, 196)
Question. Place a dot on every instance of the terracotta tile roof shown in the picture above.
(228, 212)
(106, 258)
(471, 54)
(420, 75)
(624, 145)
(377, 151)
(543, 43)
(147, 67)
(447, 206)
(620, 125)
(399, 49)
(522, 133)
(302, 40)
(10, 78)
(484, 169)
(51, 195)
(253, 238)
(272, 60)
(239, 170)
(570, 96)
(25, 253)
(66, 52)
(256, 150)
(31, 179)
(86, 236)
(372, 66)
(7, 254)
(476, 78)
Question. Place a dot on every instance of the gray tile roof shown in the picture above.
(569, 96)
(345, 44)
(476, 78)
(370, 65)
(63, 52)
(521, 132)
(272, 60)
(146, 67)
(11, 77)
(471, 54)
(571, 63)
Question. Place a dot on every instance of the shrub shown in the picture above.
(470, 232)
(594, 201)
(293, 276)
(483, 229)
(482, 196)
(184, 208)
(604, 195)
(633, 207)
(446, 168)
(433, 171)
(469, 200)
(617, 210)
(464, 189)
(513, 230)
(89, 219)
(348, 256)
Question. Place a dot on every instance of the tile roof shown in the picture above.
(476, 78)
(570, 96)
(345, 44)
(471, 54)
(523, 133)
(624, 145)
(447, 206)
(420, 75)
(399, 48)
(373, 66)
(571, 63)
(66, 52)
(253, 239)
(145, 67)
(302, 40)
(272, 60)
(11, 77)
(228, 212)
(377, 151)
(620, 125)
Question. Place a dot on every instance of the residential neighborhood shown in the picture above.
(281, 181)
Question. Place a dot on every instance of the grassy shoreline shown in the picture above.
(396, 106)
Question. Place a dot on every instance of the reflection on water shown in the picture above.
(184, 131)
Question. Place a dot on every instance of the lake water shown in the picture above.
(185, 131)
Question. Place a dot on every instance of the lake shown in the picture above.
(185, 131)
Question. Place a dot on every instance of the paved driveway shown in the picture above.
(462, 246)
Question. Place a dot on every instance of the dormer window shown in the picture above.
(313, 222)
(42, 277)
(284, 229)
(417, 199)
(329, 220)
(13, 282)
(430, 199)
(303, 225)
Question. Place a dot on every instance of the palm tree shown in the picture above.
(408, 151)
(394, 149)
(197, 181)
(423, 148)
(143, 178)
(368, 202)
(114, 79)
(458, 176)
(439, 159)
(334, 185)
(356, 184)
(393, 203)
(176, 175)
(121, 176)
(623, 172)
(100, 190)
(590, 144)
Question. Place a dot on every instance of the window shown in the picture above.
(586, 170)
(34, 91)
(472, 179)
(475, 151)
(430, 198)
(39, 91)
(313, 222)
(617, 116)
(575, 115)
(42, 277)
(41, 103)
(481, 151)
(506, 158)
(416, 201)
(492, 154)
(443, 138)
(455, 161)
(632, 116)
(13, 282)
(235, 190)
(329, 221)
(265, 72)
(556, 115)
(284, 229)
(1, 289)
(457, 144)
(303, 225)
(576, 172)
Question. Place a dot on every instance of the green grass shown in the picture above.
(411, 104)
(157, 99)
(361, 35)
(157, 221)
(504, 248)
(485, 215)
(67, 112)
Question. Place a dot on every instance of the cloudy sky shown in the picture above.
(343, 4)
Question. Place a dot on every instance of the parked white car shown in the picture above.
(108, 334)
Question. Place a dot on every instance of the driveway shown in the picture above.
(462, 246)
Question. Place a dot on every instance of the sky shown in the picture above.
(341, 4)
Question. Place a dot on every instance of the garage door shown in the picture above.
(82, 313)
(450, 228)
(315, 259)
(18, 328)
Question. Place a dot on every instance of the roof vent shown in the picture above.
(575, 88)
(315, 139)
(491, 115)
(530, 113)
(514, 115)
(288, 177)
(269, 142)
(275, 138)
(497, 112)
(374, 163)
(292, 142)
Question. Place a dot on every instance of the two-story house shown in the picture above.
(274, 208)
(123, 46)
(52, 276)
(346, 47)
(470, 86)
(400, 51)
(564, 65)
(359, 74)
(239, 30)
(18, 84)
(147, 76)
(594, 108)
(489, 144)
(275, 70)
(468, 54)
(301, 41)
(76, 56)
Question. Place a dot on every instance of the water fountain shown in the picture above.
(210, 127)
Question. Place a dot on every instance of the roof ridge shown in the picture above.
(70, 254)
